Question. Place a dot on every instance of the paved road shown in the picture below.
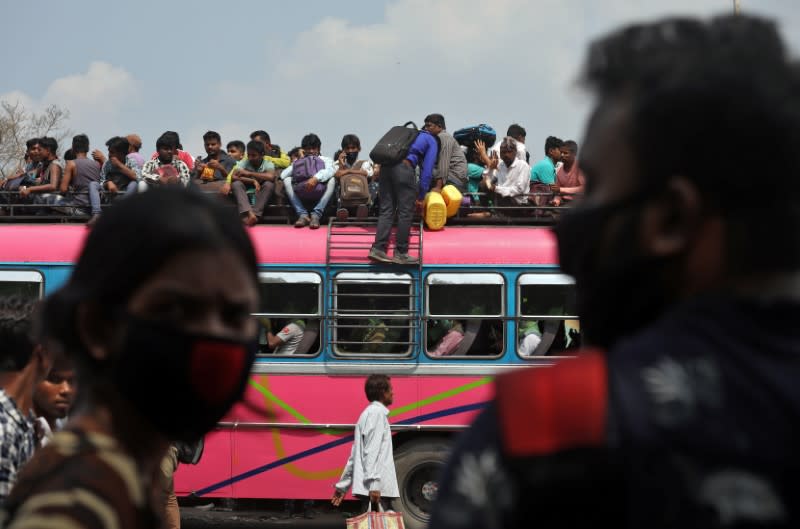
(195, 518)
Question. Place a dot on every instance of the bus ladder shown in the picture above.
(349, 243)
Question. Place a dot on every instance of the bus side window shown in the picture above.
(548, 323)
(464, 315)
(28, 284)
(373, 314)
(291, 310)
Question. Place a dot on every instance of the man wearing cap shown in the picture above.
(134, 145)
(451, 166)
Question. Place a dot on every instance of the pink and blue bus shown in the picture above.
(292, 436)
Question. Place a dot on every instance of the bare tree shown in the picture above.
(17, 125)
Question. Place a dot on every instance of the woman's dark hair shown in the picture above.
(130, 243)
(69, 155)
(376, 387)
(257, 146)
(31, 142)
(351, 140)
(311, 141)
(295, 151)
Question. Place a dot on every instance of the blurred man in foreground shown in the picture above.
(688, 278)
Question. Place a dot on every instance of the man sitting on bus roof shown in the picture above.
(508, 176)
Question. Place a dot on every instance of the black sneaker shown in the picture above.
(404, 259)
(378, 255)
(302, 222)
(341, 214)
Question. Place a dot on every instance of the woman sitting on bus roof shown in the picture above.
(162, 348)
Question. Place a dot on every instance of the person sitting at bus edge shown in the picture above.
(684, 411)
(144, 289)
(507, 176)
(569, 177)
(450, 341)
(347, 162)
(311, 146)
(254, 172)
(211, 173)
(236, 150)
(46, 185)
(167, 168)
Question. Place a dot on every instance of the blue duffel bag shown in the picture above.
(468, 135)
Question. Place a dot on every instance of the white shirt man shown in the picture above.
(370, 468)
(513, 176)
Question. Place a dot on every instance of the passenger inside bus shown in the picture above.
(467, 313)
(289, 324)
(452, 338)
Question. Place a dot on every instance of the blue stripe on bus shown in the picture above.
(332, 444)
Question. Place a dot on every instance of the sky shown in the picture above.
(328, 67)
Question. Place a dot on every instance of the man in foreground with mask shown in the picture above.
(142, 304)
(685, 412)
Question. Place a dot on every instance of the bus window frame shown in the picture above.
(5, 272)
(366, 277)
(550, 278)
(463, 280)
(314, 278)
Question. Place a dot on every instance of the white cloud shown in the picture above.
(100, 90)
(93, 98)
(499, 62)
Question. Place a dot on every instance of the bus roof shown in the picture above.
(458, 245)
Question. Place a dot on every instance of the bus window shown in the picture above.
(548, 322)
(291, 310)
(28, 284)
(373, 314)
(464, 315)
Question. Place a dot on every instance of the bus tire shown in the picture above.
(418, 464)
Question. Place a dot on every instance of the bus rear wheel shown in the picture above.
(419, 464)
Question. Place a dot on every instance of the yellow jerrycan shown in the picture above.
(434, 211)
(452, 199)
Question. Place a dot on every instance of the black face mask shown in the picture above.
(183, 383)
(626, 289)
(351, 157)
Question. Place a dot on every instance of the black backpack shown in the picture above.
(393, 147)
